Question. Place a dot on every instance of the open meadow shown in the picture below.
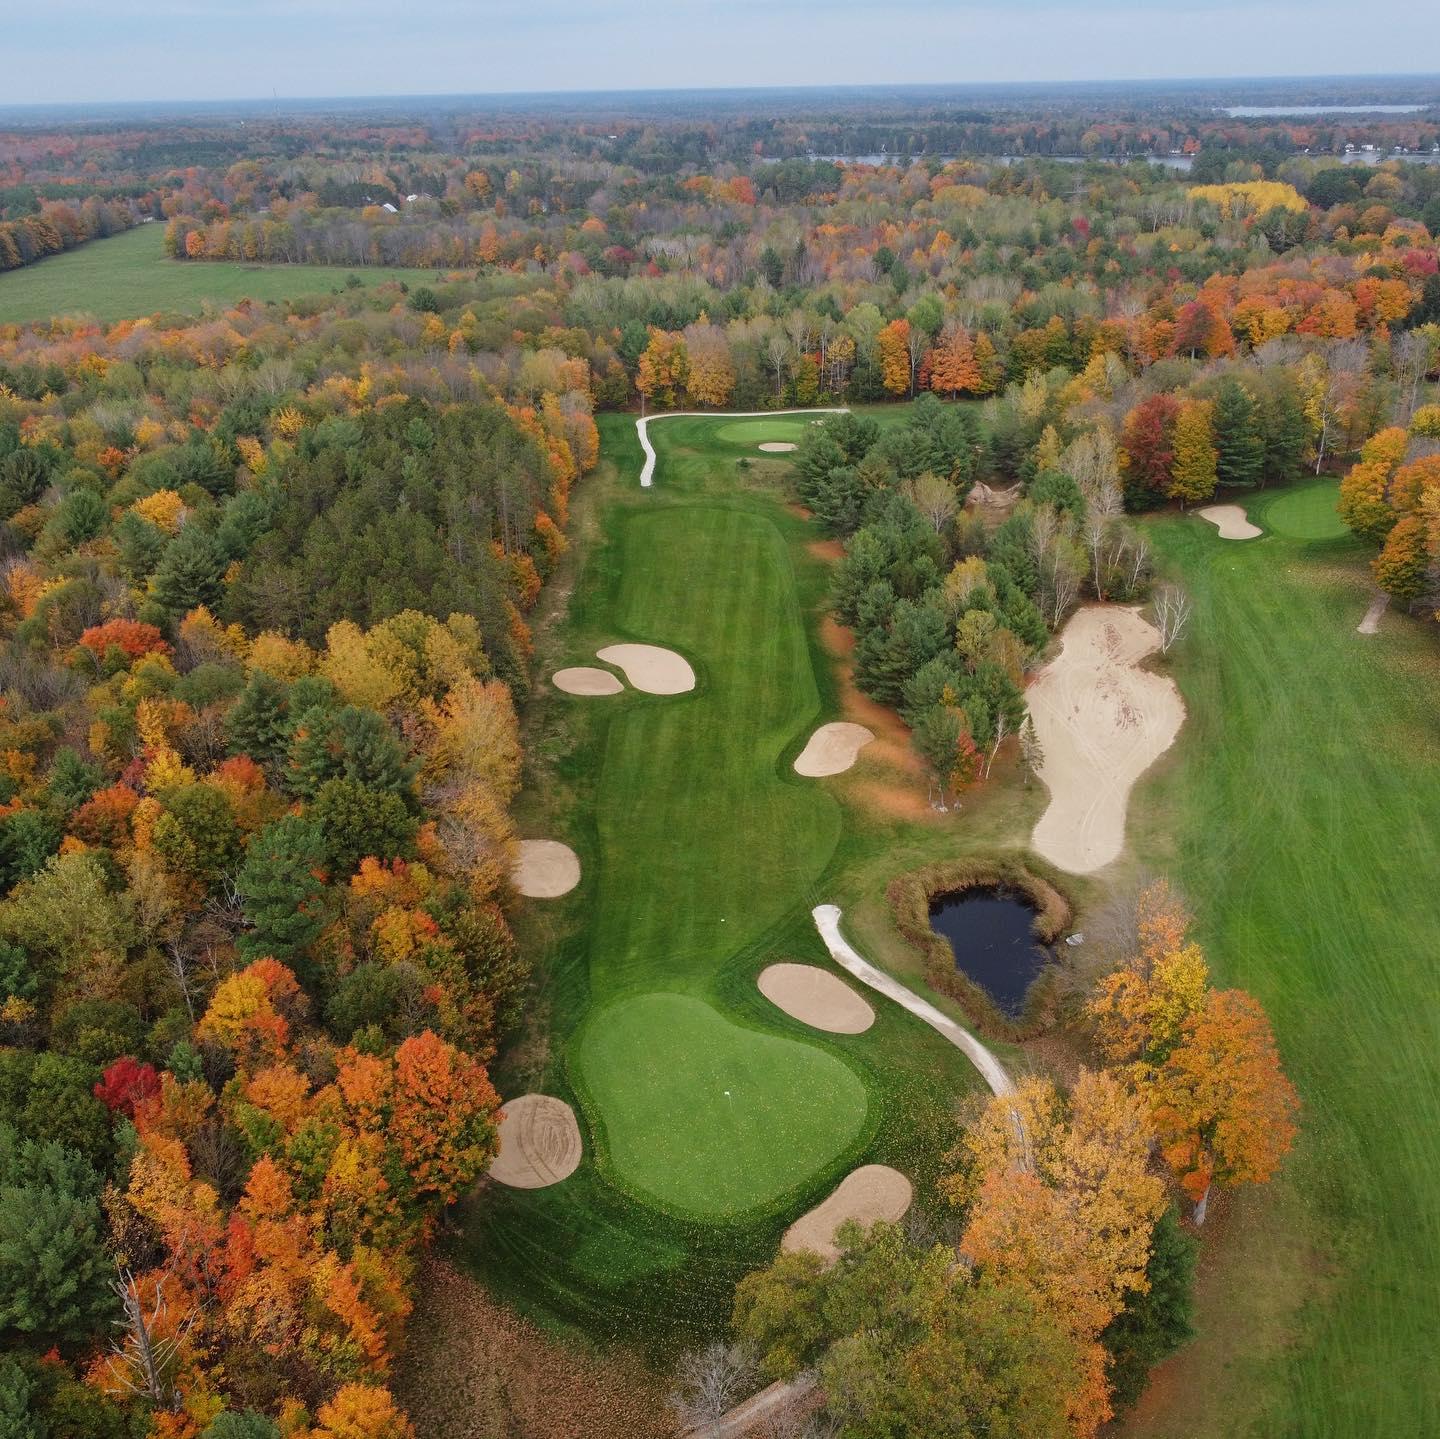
(128, 276)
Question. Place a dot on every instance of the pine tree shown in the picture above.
(1286, 434)
(1239, 443)
(279, 889)
(190, 572)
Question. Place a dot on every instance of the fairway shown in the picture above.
(707, 1116)
(128, 276)
(1303, 814)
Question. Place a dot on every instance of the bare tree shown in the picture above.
(777, 352)
(710, 1381)
(1002, 733)
(1172, 615)
(142, 1360)
(933, 497)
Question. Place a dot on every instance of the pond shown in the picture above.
(992, 936)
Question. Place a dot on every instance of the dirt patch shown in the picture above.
(586, 680)
(830, 551)
(815, 997)
(474, 1369)
(1371, 623)
(1102, 721)
(539, 1142)
(832, 749)
(983, 496)
(871, 1193)
(778, 447)
(1231, 521)
(545, 868)
(651, 668)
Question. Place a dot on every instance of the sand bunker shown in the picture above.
(652, 669)
(586, 680)
(832, 749)
(539, 1142)
(815, 997)
(873, 1192)
(1230, 520)
(1101, 722)
(778, 447)
(545, 868)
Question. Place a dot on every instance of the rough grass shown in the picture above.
(1304, 805)
(128, 275)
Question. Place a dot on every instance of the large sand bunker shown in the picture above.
(815, 997)
(832, 749)
(650, 668)
(586, 680)
(1231, 521)
(872, 1193)
(545, 868)
(539, 1142)
(1102, 722)
(778, 447)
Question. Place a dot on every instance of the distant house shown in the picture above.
(411, 199)
(389, 208)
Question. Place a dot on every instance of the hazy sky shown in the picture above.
(76, 50)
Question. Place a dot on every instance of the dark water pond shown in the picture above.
(990, 933)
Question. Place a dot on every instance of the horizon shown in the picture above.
(129, 52)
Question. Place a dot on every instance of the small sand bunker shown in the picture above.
(1102, 722)
(586, 680)
(545, 868)
(1231, 521)
(832, 749)
(539, 1142)
(650, 668)
(778, 447)
(1370, 624)
(872, 1193)
(815, 997)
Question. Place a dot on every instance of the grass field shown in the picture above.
(128, 275)
(1302, 817)
(702, 854)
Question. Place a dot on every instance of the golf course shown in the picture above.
(1290, 807)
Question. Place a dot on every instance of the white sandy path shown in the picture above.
(815, 997)
(651, 668)
(832, 749)
(586, 680)
(539, 1142)
(647, 470)
(1231, 521)
(778, 447)
(1102, 721)
(867, 1195)
(1371, 623)
(827, 921)
(545, 868)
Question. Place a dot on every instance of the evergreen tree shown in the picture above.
(279, 889)
(1286, 434)
(1239, 442)
(348, 743)
(190, 572)
(54, 1270)
(1157, 1321)
(358, 823)
(258, 723)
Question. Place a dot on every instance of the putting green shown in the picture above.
(710, 1117)
(1306, 513)
(788, 429)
